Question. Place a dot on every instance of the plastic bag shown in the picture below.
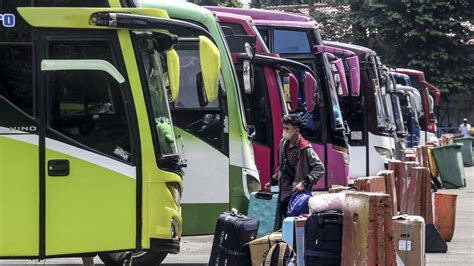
(298, 203)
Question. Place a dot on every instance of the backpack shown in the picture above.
(281, 254)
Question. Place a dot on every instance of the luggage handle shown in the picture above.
(235, 212)
(264, 195)
(329, 220)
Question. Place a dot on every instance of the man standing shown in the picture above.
(464, 128)
(299, 166)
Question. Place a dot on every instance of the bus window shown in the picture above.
(87, 106)
(204, 121)
(237, 29)
(159, 101)
(16, 77)
(257, 107)
(291, 42)
(264, 34)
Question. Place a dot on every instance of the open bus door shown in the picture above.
(87, 151)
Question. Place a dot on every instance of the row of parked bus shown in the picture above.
(127, 124)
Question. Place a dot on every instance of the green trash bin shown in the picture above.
(466, 150)
(450, 165)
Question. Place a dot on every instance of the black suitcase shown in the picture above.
(233, 233)
(323, 239)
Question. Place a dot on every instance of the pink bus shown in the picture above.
(325, 125)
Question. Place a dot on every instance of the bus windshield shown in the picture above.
(334, 102)
(154, 71)
(397, 113)
(379, 103)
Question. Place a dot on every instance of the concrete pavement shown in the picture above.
(461, 247)
(196, 250)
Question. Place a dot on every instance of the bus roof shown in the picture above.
(359, 50)
(245, 22)
(273, 18)
(181, 10)
(399, 75)
(409, 71)
(234, 17)
(261, 14)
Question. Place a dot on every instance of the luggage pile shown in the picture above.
(388, 219)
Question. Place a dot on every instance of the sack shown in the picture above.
(259, 247)
(298, 203)
(280, 255)
(327, 202)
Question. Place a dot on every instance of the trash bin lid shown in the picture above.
(455, 145)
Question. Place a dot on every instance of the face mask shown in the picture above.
(288, 134)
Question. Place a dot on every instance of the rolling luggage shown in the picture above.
(288, 231)
(264, 206)
(299, 239)
(233, 233)
(323, 239)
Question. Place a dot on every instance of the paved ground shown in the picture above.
(196, 250)
(461, 248)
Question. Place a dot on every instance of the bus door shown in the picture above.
(87, 160)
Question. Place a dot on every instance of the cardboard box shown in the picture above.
(370, 184)
(260, 247)
(389, 177)
(409, 234)
(368, 230)
(337, 189)
(399, 171)
(406, 183)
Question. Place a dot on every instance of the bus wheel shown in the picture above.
(141, 258)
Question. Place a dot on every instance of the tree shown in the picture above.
(228, 3)
(429, 36)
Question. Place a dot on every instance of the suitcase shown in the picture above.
(323, 239)
(233, 233)
(288, 231)
(299, 242)
(265, 207)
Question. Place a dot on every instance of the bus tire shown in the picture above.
(143, 258)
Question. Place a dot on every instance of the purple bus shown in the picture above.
(295, 37)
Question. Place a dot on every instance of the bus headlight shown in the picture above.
(384, 152)
(175, 189)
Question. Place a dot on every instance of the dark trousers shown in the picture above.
(283, 207)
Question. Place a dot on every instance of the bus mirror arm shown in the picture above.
(347, 128)
(251, 132)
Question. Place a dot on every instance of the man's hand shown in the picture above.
(299, 187)
(267, 186)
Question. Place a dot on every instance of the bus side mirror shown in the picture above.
(211, 67)
(290, 88)
(248, 76)
(342, 76)
(248, 69)
(172, 61)
(354, 68)
(310, 91)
